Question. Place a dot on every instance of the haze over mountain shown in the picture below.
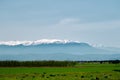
(53, 49)
(88, 21)
(93, 21)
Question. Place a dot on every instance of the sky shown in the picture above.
(91, 21)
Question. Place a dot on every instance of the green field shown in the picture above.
(79, 72)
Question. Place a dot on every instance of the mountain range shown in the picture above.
(54, 49)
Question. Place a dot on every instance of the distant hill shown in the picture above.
(54, 50)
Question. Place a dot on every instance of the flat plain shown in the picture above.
(86, 71)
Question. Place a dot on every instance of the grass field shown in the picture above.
(79, 72)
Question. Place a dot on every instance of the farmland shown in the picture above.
(81, 71)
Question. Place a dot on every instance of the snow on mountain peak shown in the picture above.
(52, 41)
(41, 41)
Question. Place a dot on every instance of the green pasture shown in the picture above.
(87, 71)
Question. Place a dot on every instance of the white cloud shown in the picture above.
(75, 24)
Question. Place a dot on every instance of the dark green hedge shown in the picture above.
(37, 63)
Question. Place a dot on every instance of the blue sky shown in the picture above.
(92, 21)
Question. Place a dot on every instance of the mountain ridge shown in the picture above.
(37, 42)
(54, 50)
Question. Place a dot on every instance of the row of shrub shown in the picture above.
(37, 63)
(102, 62)
(50, 63)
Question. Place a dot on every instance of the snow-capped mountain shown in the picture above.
(37, 42)
(53, 49)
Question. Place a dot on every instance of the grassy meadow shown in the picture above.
(81, 71)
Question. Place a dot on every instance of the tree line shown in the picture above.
(37, 63)
(51, 63)
(102, 61)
